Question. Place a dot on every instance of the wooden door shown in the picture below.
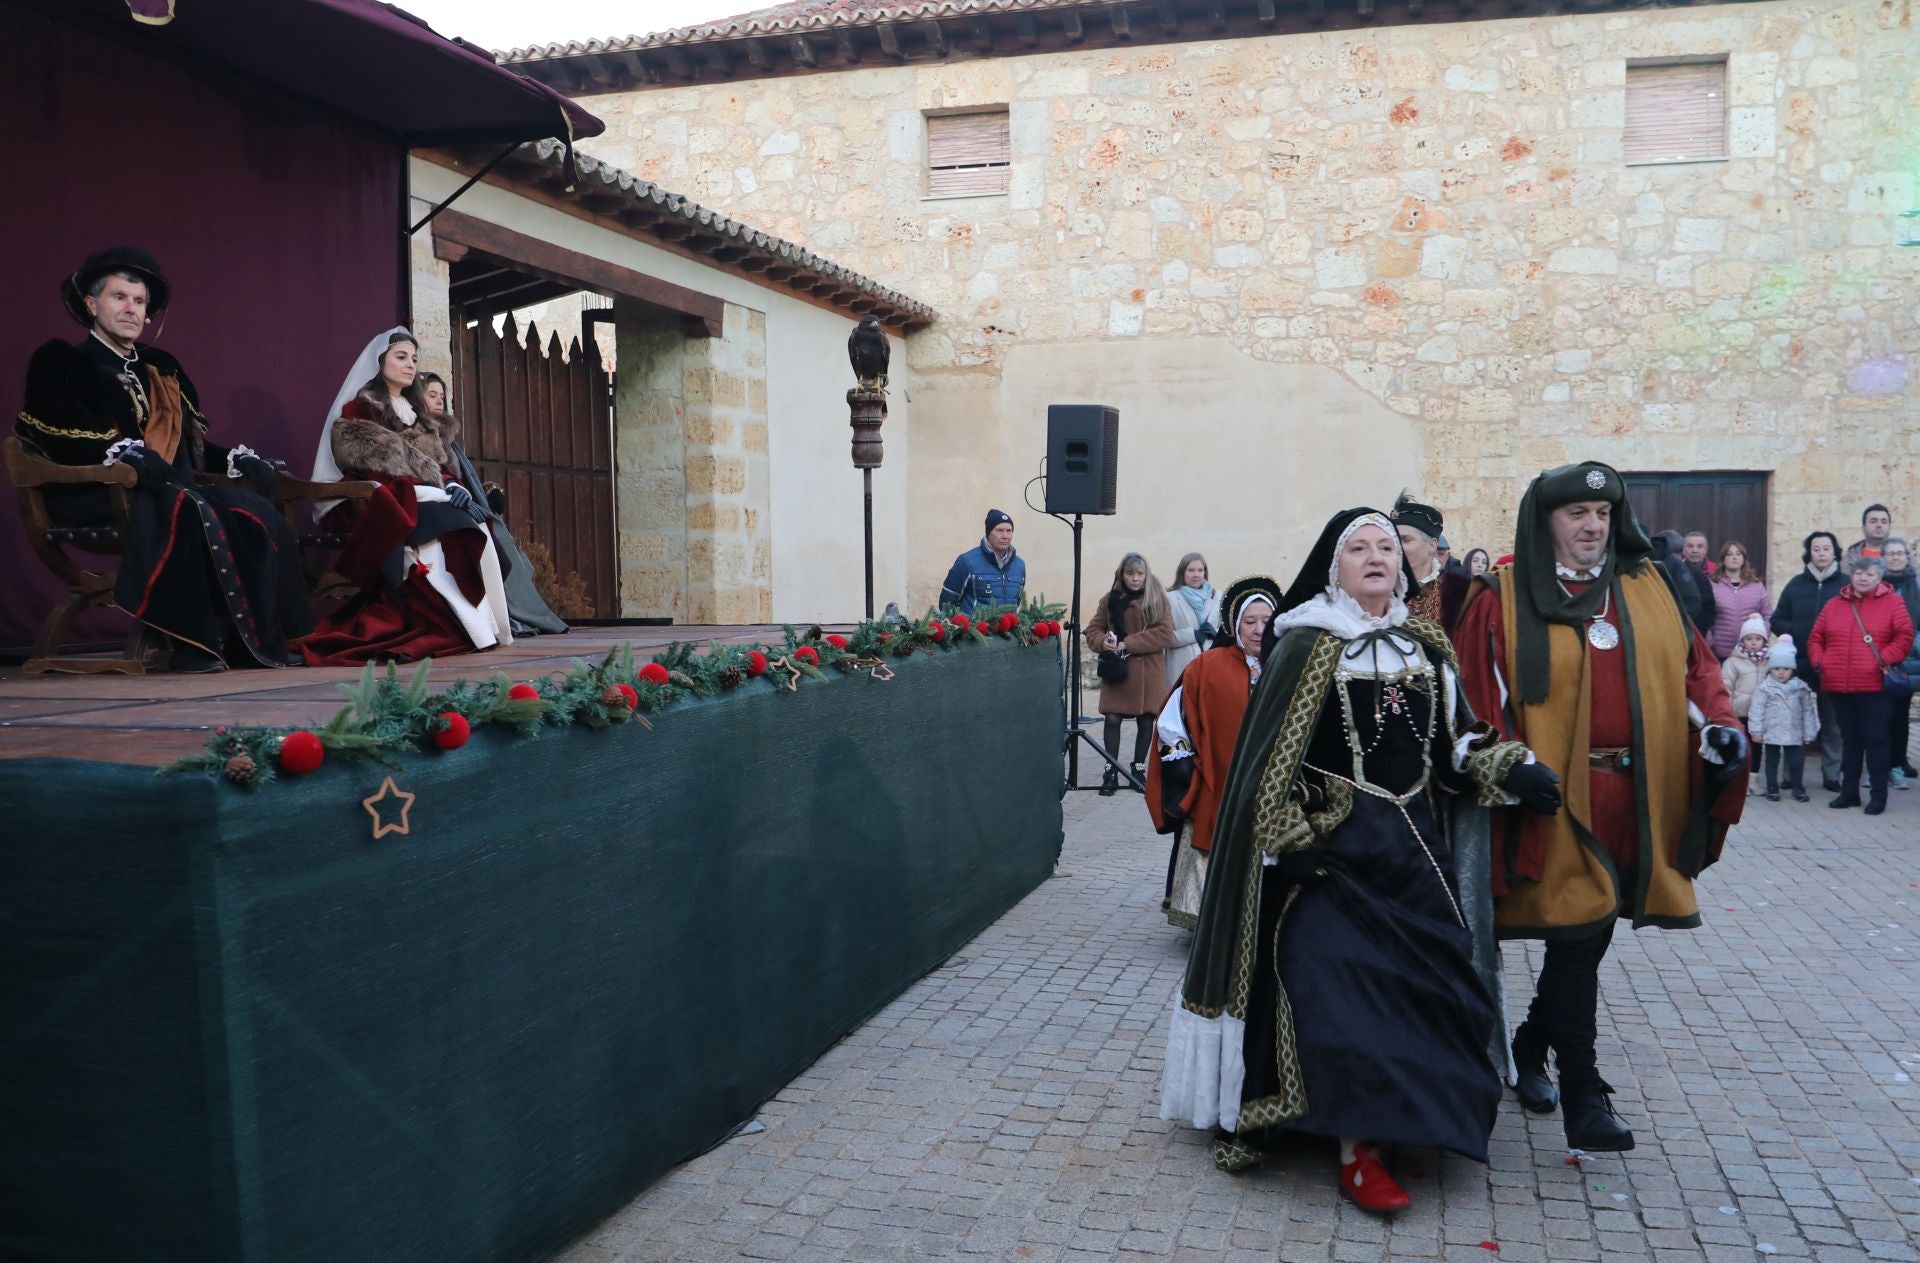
(1724, 504)
(539, 422)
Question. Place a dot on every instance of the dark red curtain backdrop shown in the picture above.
(276, 221)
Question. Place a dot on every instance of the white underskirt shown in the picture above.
(485, 624)
(1205, 1069)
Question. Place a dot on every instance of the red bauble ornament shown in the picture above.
(524, 693)
(756, 663)
(936, 631)
(1008, 622)
(961, 620)
(1053, 629)
(631, 694)
(837, 641)
(807, 653)
(301, 752)
(456, 732)
(654, 673)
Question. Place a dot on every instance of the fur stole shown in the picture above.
(369, 442)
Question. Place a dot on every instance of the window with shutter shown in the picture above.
(1676, 113)
(968, 155)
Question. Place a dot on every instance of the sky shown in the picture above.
(500, 24)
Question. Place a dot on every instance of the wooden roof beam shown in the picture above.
(889, 41)
(756, 50)
(936, 38)
(1121, 23)
(1027, 29)
(1268, 14)
(1170, 16)
(802, 52)
(1217, 14)
(982, 36)
(849, 52)
(1070, 23)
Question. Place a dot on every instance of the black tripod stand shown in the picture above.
(1076, 732)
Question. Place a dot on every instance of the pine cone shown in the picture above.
(612, 698)
(731, 678)
(240, 769)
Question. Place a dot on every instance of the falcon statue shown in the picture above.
(868, 352)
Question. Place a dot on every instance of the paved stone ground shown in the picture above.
(1004, 1107)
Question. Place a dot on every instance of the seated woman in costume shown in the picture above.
(527, 610)
(1342, 980)
(1196, 732)
(420, 552)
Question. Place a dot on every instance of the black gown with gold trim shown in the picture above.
(216, 566)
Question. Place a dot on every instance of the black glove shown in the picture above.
(151, 468)
(1176, 775)
(1203, 635)
(1731, 745)
(1302, 867)
(261, 476)
(1536, 786)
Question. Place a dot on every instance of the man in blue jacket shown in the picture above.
(992, 574)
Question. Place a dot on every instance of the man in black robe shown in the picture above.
(215, 568)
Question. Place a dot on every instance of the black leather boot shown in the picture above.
(1532, 1086)
(1587, 1110)
(1109, 782)
(1139, 771)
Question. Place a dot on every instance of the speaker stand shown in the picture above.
(1076, 731)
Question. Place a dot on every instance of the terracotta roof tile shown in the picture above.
(547, 157)
(794, 16)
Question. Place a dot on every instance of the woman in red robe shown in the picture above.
(1195, 735)
(420, 551)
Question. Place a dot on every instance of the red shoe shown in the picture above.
(1366, 1183)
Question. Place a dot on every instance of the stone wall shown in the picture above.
(691, 475)
(1435, 217)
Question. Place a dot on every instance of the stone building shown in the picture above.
(710, 481)
(1315, 253)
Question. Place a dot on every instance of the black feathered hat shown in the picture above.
(132, 259)
(1234, 601)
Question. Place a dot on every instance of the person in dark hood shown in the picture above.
(1336, 983)
(213, 566)
(1578, 649)
(991, 574)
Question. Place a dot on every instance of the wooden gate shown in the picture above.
(1725, 505)
(539, 422)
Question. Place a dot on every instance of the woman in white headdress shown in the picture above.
(419, 551)
(1334, 986)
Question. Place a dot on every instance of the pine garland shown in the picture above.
(385, 716)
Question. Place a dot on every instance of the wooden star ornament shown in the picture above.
(389, 793)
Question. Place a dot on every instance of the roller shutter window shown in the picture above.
(968, 155)
(1676, 113)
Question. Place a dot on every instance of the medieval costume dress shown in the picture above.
(1601, 676)
(1195, 734)
(427, 569)
(1341, 980)
(1439, 596)
(215, 566)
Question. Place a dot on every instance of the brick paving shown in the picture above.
(1004, 1107)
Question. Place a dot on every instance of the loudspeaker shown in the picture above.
(1083, 458)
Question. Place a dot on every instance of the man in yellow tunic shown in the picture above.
(1579, 649)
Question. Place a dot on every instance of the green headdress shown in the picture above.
(1539, 597)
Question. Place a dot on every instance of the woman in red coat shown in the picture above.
(1860, 633)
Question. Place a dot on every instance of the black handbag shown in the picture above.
(1111, 666)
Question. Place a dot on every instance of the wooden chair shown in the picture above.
(31, 474)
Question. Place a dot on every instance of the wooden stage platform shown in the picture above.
(157, 718)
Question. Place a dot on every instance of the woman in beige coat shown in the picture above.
(1131, 629)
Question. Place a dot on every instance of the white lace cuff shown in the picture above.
(120, 449)
(233, 460)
